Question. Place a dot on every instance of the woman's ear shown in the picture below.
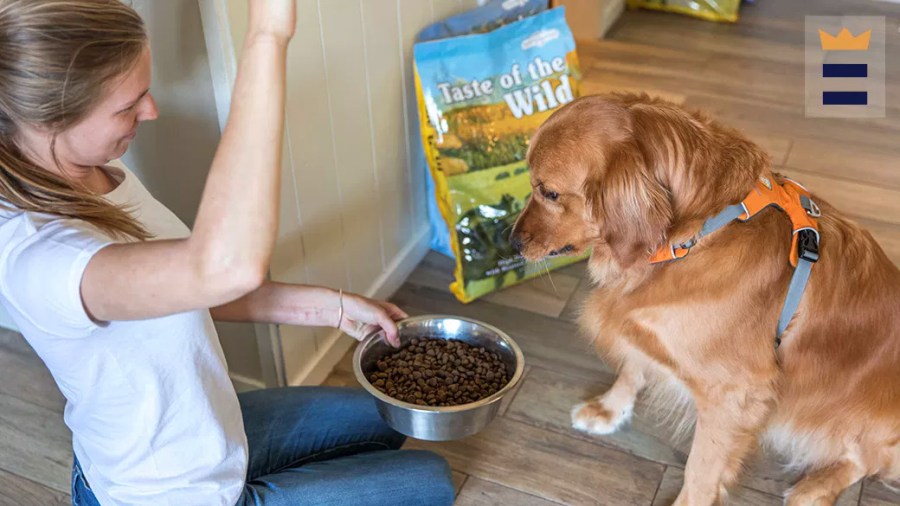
(631, 206)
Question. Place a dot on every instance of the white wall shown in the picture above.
(172, 155)
(354, 193)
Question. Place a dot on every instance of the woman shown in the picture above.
(116, 294)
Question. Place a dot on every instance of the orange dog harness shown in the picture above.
(791, 198)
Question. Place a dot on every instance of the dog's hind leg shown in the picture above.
(822, 487)
(604, 414)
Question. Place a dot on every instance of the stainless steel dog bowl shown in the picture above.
(439, 423)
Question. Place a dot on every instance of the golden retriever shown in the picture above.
(626, 174)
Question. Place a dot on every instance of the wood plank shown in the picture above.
(551, 466)
(546, 294)
(459, 480)
(694, 35)
(511, 396)
(737, 496)
(445, 8)
(597, 87)
(35, 443)
(746, 112)
(875, 493)
(345, 69)
(288, 264)
(545, 341)
(298, 347)
(851, 496)
(578, 269)
(414, 15)
(853, 198)
(779, 80)
(478, 492)
(23, 375)
(866, 164)
(18, 491)
(546, 399)
(384, 78)
(309, 125)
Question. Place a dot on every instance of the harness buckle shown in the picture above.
(687, 245)
(810, 206)
(808, 245)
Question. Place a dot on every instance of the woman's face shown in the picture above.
(107, 131)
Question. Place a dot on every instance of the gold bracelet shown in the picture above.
(341, 311)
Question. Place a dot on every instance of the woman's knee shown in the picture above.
(434, 473)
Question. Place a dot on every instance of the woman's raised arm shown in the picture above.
(228, 253)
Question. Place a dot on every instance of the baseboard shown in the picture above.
(612, 11)
(244, 383)
(337, 344)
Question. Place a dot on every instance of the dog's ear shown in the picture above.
(629, 205)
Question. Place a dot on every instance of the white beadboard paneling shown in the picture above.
(239, 16)
(309, 126)
(288, 260)
(298, 348)
(414, 15)
(385, 94)
(345, 68)
(332, 349)
(444, 8)
(353, 199)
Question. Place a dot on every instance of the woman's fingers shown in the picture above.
(364, 316)
(359, 330)
(393, 311)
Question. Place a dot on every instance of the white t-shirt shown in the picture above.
(154, 416)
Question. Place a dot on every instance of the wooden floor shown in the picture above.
(751, 76)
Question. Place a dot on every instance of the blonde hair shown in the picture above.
(56, 58)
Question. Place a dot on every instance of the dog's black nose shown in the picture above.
(516, 242)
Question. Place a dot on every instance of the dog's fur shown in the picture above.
(633, 173)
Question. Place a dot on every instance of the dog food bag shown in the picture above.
(481, 97)
(710, 10)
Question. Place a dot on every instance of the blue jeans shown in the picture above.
(324, 446)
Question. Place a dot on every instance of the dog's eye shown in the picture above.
(549, 195)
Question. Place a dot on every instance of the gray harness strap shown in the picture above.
(808, 245)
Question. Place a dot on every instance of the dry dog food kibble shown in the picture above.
(439, 372)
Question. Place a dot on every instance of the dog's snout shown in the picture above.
(517, 242)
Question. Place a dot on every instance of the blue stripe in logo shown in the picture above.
(845, 70)
(845, 98)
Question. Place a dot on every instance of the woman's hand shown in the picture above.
(288, 304)
(363, 316)
(272, 18)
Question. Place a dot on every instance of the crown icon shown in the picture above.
(845, 41)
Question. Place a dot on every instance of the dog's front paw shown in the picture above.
(596, 417)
